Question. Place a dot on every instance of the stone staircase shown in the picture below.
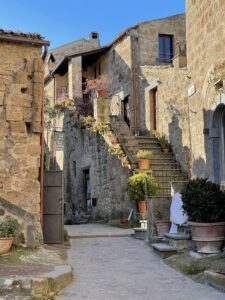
(164, 167)
(172, 243)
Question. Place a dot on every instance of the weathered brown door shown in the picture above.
(53, 225)
(153, 99)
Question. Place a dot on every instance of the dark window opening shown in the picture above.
(75, 168)
(165, 48)
(99, 69)
(126, 110)
(24, 90)
(94, 35)
(28, 126)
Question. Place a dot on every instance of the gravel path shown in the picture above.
(122, 268)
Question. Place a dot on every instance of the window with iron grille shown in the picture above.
(165, 48)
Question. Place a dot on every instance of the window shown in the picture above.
(165, 48)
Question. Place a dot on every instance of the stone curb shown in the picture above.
(36, 287)
(90, 236)
(215, 280)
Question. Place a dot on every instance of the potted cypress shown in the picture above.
(8, 230)
(139, 186)
(144, 159)
(204, 204)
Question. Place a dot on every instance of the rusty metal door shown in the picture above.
(53, 225)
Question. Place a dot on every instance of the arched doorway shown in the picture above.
(217, 144)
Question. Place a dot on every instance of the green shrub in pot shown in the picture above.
(203, 201)
(204, 204)
(139, 184)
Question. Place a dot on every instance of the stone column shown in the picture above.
(75, 78)
(101, 109)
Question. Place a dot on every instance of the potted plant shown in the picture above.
(204, 204)
(162, 226)
(166, 146)
(8, 230)
(139, 186)
(100, 85)
(144, 159)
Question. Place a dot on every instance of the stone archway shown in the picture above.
(217, 140)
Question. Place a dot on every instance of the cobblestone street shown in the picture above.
(123, 268)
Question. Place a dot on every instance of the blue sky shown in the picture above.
(67, 20)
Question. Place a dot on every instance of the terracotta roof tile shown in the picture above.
(17, 33)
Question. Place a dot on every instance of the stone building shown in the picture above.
(21, 103)
(190, 98)
(90, 173)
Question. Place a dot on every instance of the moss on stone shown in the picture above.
(195, 267)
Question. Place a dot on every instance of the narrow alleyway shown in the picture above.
(123, 268)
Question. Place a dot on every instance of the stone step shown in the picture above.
(169, 178)
(144, 138)
(150, 147)
(179, 240)
(164, 250)
(166, 172)
(140, 233)
(161, 155)
(161, 166)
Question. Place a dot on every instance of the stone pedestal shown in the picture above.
(101, 109)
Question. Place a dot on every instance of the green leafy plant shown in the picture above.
(156, 133)
(203, 201)
(164, 142)
(99, 128)
(144, 154)
(141, 185)
(9, 228)
(66, 235)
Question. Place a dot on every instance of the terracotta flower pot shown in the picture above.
(144, 164)
(166, 150)
(142, 207)
(208, 237)
(5, 244)
(162, 227)
(101, 93)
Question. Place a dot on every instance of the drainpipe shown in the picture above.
(133, 86)
(190, 141)
(135, 100)
(42, 160)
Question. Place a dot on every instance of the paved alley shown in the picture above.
(123, 268)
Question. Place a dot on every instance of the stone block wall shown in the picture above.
(205, 53)
(89, 151)
(172, 113)
(148, 33)
(21, 99)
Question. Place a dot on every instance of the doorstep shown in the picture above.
(41, 286)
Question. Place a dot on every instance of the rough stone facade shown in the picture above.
(205, 55)
(21, 100)
(172, 112)
(87, 152)
(121, 62)
(137, 47)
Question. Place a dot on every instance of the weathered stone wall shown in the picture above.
(116, 65)
(21, 99)
(139, 47)
(205, 52)
(87, 150)
(172, 114)
(148, 33)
